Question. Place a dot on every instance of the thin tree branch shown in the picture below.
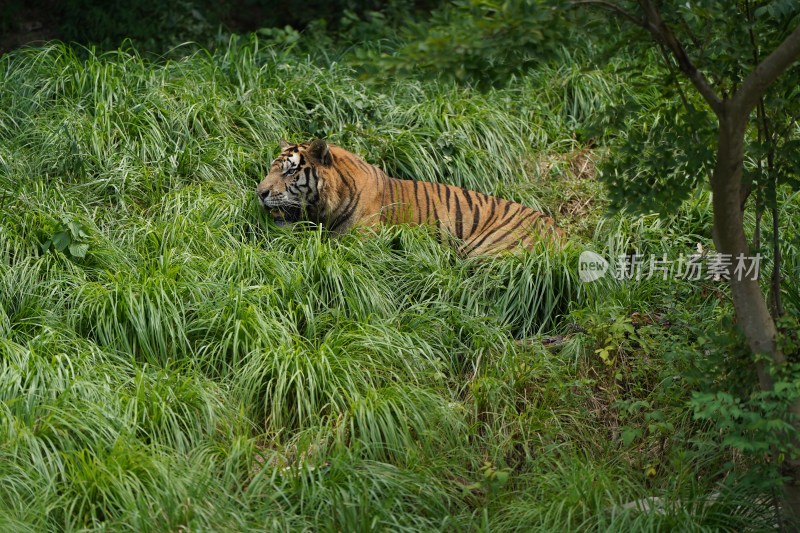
(613, 7)
(759, 80)
(653, 23)
(657, 26)
(775, 285)
(748, 183)
(759, 214)
(674, 76)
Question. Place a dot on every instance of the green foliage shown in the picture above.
(720, 48)
(70, 236)
(666, 134)
(617, 335)
(172, 27)
(754, 423)
(353, 20)
(196, 367)
(662, 153)
(481, 42)
(153, 25)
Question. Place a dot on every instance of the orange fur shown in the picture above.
(344, 191)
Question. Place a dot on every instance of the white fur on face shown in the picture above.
(292, 162)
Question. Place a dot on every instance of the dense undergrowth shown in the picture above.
(170, 359)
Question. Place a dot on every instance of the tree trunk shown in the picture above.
(726, 183)
(752, 312)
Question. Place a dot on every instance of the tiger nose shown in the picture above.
(262, 193)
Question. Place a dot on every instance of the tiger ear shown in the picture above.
(284, 145)
(318, 150)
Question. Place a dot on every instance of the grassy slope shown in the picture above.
(201, 368)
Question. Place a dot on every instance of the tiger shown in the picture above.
(325, 184)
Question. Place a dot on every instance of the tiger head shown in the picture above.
(291, 189)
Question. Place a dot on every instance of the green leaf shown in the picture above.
(629, 435)
(78, 250)
(501, 476)
(77, 230)
(61, 240)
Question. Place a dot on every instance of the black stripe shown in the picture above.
(459, 228)
(347, 183)
(467, 196)
(512, 229)
(427, 189)
(506, 217)
(398, 203)
(314, 198)
(387, 184)
(486, 229)
(476, 217)
(391, 206)
(416, 197)
(346, 214)
(490, 216)
(436, 215)
(403, 201)
(475, 245)
(351, 196)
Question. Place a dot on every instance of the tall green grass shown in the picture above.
(187, 364)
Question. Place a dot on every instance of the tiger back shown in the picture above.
(324, 183)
